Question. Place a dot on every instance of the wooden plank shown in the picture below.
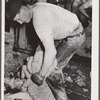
(22, 36)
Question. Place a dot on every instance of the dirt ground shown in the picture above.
(76, 74)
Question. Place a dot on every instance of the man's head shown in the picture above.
(24, 15)
(17, 11)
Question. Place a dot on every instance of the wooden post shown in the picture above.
(12, 30)
(22, 37)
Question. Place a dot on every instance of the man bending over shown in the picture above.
(51, 23)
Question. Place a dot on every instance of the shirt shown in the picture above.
(49, 19)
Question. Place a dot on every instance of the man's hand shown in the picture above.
(37, 78)
(32, 67)
(31, 70)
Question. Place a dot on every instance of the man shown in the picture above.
(51, 23)
(87, 5)
(83, 9)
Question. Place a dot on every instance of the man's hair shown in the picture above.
(12, 7)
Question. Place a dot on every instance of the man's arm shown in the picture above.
(43, 21)
(49, 55)
(85, 6)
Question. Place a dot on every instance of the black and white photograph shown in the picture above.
(48, 50)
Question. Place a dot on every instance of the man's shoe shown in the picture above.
(37, 78)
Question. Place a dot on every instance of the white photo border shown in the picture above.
(95, 49)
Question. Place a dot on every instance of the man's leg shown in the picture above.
(67, 48)
(65, 51)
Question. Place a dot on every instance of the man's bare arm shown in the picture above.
(49, 55)
(85, 6)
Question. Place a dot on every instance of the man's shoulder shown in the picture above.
(48, 6)
(41, 8)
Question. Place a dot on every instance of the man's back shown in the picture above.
(49, 17)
